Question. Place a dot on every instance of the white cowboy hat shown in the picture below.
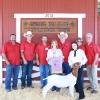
(63, 35)
(28, 33)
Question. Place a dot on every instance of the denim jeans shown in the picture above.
(66, 67)
(92, 75)
(26, 74)
(44, 72)
(79, 83)
(11, 70)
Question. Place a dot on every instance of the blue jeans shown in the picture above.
(79, 83)
(44, 72)
(66, 67)
(27, 71)
(11, 70)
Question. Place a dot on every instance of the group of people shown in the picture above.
(55, 58)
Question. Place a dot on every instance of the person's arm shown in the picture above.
(70, 59)
(4, 50)
(22, 48)
(23, 57)
(95, 59)
(37, 60)
(4, 56)
(61, 54)
(96, 55)
(84, 58)
(37, 52)
(49, 56)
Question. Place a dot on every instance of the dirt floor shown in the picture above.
(36, 94)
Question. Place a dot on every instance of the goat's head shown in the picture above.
(75, 68)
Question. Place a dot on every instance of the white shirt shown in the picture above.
(80, 57)
(51, 54)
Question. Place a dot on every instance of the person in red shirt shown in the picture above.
(41, 54)
(27, 54)
(91, 50)
(65, 46)
(11, 54)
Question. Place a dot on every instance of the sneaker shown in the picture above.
(89, 88)
(30, 86)
(8, 90)
(94, 91)
(14, 88)
(22, 87)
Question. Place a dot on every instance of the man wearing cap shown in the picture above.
(92, 54)
(65, 46)
(27, 54)
(11, 54)
(41, 52)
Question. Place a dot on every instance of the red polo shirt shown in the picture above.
(41, 50)
(12, 52)
(29, 50)
(91, 50)
(65, 47)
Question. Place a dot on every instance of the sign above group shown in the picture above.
(69, 25)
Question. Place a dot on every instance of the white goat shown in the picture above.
(62, 81)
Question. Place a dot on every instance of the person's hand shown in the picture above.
(7, 62)
(25, 61)
(34, 61)
(94, 64)
(37, 62)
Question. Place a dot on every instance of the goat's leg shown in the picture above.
(46, 89)
(71, 91)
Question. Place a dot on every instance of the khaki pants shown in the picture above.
(92, 75)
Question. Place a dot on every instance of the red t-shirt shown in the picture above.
(12, 52)
(91, 50)
(65, 47)
(29, 50)
(41, 50)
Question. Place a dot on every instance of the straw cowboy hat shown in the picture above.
(63, 35)
(28, 33)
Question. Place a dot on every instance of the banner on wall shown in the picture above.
(69, 25)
